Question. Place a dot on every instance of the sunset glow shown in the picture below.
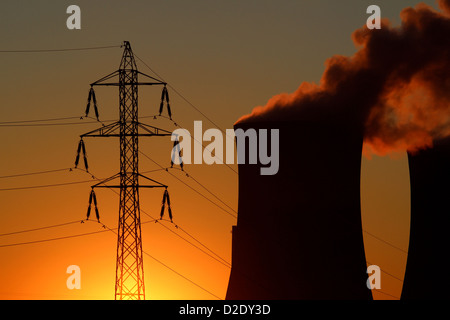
(225, 63)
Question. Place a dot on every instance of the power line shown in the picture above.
(210, 192)
(41, 228)
(203, 245)
(345, 219)
(224, 262)
(53, 171)
(191, 105)
(190, 187)
(178, 227)
(154, 170)
(178, 93)
(77, 49)
(162, 168)
(97, 232)
(53, 226)
(184, 277)
(68, 118)
(109, 229)
(153, 219)
(236, 217)
(190, 176)
(39, 120)
(165, 169)
(32, 123)
(46, 186)
(58, 50)
(34, 173)
(47, 124)
(51, 239)
(173, 270)
(386, 242)
(389, 274)
(387, 294)
(49, 227)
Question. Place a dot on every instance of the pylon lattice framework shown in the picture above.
(129, 265)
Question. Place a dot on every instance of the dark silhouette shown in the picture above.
(299, 233)
(129, 284)
(393, 71)
(426, 269)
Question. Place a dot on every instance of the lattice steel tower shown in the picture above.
(129, 266)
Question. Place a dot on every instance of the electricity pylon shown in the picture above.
(129, 266)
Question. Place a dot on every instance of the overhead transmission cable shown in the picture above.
(190, 187)
(46, 124)
(38, 120)
(58, 50)
(40, 228)
(191, 105)
(161, 169)
(51, 239)
(178, 93)
(67, 118)
(173, 270)
(218, 259)
(107, 229)
(45, 185)
(154, 170)
(34, 173)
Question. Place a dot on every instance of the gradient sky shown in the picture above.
(225, 57)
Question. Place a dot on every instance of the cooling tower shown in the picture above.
(427, 265)
(298, 233)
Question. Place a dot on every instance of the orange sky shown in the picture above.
(225, 58)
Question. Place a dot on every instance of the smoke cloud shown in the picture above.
(396, 86)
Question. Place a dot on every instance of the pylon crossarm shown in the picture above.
(105, 131)
(112, 130)
(154, 130)
(159, 184)
(99, 184)
(117, 84)
(138, 186)
(107, 77)
(102, 184)
(150, 77)
(101, 82)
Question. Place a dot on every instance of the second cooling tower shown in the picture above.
(425, 276)
(299, 233)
